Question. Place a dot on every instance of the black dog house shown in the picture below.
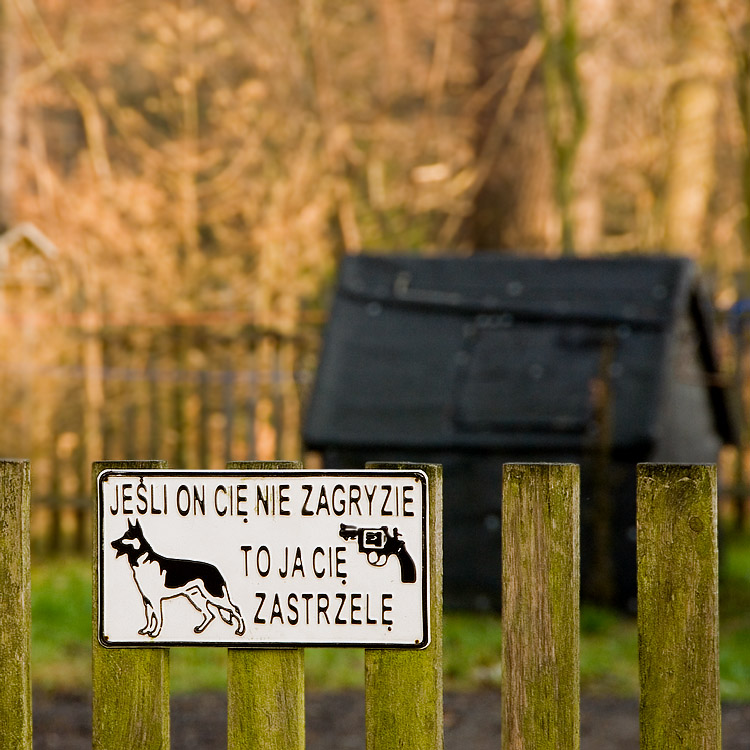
(475, 362)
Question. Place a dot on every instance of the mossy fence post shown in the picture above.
(678, 612)
(540, 599)
(15, 605)
(404, 687)
(130, 685)
(266, 687)
(677, 623)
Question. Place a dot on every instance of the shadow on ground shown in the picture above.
(336, 720)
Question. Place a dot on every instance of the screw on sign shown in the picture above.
(257, 558)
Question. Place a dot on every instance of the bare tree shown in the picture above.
(9, 112)
(565, 103)
(700, 51)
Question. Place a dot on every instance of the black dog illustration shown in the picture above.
(159, 578)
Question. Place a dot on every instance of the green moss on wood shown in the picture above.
(130, 686)
(15, 606)
(266, 699)
(678, 615)
(265, 687)
(404, 688)
(540, 599)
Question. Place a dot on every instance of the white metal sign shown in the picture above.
(263, 558)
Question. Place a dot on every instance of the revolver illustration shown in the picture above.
(379, 544)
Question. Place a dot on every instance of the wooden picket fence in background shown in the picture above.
(193, 392)
(677, 622)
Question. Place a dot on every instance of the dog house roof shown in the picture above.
(501, 352)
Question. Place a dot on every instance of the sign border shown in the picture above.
(426, 582)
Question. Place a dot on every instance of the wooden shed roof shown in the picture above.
(500, 352)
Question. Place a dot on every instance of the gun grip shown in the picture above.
(408, 569)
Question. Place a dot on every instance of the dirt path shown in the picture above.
(335, 721)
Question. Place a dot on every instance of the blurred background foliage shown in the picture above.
(179, 179)
(186, 157)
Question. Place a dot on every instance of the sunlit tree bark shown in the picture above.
(692, 110)
(512, 193)
(9, 112)
(596, 18)
(565, 104)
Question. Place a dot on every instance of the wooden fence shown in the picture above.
(193, 393)
(677, 622)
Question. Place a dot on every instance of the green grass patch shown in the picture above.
(334, 669)
(734, 598)
(471, 650)
(61, 637)
(197, 669)
(609, 652)
(61, 624)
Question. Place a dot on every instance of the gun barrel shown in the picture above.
(347, 531)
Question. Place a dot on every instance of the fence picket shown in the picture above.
(678, 614)
(266, 687)
(15, 605)
(540, 601)
(130, 685)
(404, 688)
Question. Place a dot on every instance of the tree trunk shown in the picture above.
(9, 112)
(514, 205)
(596, 68)
(692, 106)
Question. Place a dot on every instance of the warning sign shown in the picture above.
(263, 558)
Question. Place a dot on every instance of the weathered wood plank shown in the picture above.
(130, 685)
(404, 688)
(678, 613)
(266, 687)
(15, 605)
(540, 600)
